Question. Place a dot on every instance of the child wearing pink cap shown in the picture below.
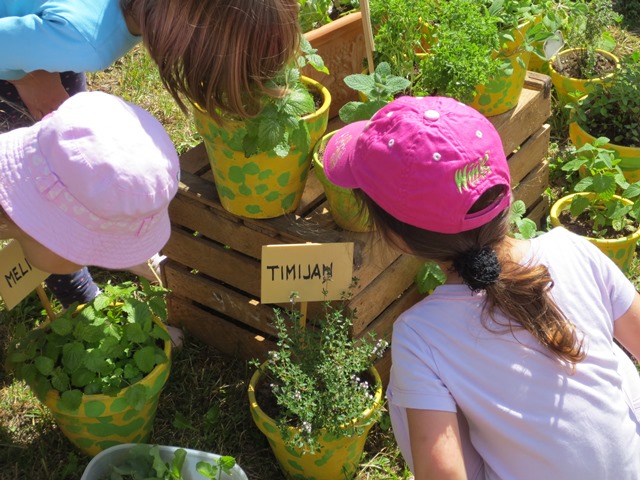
(90, 184)
(510, 369)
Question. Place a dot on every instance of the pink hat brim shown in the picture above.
(58, 231)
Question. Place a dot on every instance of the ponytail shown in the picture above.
(519, 292)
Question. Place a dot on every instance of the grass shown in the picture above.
(204, 405)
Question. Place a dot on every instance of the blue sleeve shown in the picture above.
(73, 36)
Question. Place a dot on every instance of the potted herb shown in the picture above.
(586, 59)
(465, 50)
(604, 206)
(142, 461)
(100, 368)
(612, 110)
(318, 394)
(260, 164)
(375, 90)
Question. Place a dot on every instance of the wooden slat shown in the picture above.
(218, 297)
(528, 156)
(533, 185)
(218, 332)
(224, 264)
(383, 291)
(533, 109)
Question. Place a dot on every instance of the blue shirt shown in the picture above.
(61, 35)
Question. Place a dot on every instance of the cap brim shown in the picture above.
(339, 152)
(54, 229)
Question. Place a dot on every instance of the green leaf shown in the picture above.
(82, 377)
(60, 379)
(136, 396)
(134, 333)
(181, 422)
(429, 277)
(179, 457)
(71, 400)
(207, 470)
(226, 462)
(62, 326)
(44, 365)
(145, 358)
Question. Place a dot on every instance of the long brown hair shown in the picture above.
(521, 292)
(218, 54)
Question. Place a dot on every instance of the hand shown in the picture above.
(41, 91)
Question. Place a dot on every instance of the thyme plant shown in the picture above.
(317, 376)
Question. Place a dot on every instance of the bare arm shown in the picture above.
(41, 91)
(626, 329)
(435, 445)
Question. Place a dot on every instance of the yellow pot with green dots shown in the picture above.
(502, 93)
(102, 421)
(263, 185)
(338, 459)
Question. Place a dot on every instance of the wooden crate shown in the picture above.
(213, 267)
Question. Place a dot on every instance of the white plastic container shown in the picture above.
(101, 464)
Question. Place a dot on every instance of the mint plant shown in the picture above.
(599, 175)
(316, 376)
(379, 88)
(612, 109)
(144, 462)
(100, 348)
(279, 124)
(522, 228)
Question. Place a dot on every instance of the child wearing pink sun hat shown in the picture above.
(510, 369)
(90, 184)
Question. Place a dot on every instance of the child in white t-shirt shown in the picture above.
(510, 369)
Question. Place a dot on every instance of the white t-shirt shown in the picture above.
(529, 416)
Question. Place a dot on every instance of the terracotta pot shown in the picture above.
(342, 46)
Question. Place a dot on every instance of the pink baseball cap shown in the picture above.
(425, 161)
(92, 181)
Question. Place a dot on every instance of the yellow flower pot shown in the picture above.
(620, 250)
(103, 421)
(263, 185)
(343, 206)
(565, 85)
(502, 93)
(629, 156)
(339, 457)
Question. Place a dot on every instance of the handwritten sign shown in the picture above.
(18, 278)
(307, 269)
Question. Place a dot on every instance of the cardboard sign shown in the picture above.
(18, 278)
(306, 269)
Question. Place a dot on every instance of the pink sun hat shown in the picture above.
(425, 161)
(92, 181)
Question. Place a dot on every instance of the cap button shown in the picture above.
(431, 115)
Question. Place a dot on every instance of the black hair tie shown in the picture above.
(478, 267)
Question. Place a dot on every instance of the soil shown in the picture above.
(569, 65)
(581, 225)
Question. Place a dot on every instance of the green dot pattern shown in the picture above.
(265, 185)
(103, 421)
